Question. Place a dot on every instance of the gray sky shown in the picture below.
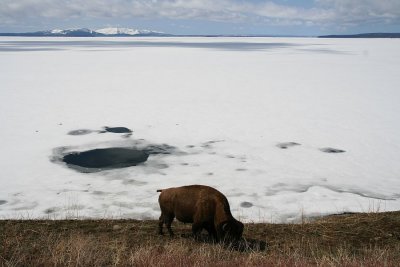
(286, 17)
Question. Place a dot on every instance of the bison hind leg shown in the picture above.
(160, 225)
(167, 220)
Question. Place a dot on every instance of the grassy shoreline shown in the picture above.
(368, 239)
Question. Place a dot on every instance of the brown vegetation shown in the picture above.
(369, 239)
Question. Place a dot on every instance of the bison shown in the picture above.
(203, 206)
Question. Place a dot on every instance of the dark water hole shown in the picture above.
(332, 150)
(246, 204)
(2, 202)
(107, 158)
(116, 130)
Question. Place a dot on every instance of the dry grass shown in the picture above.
(370, 239)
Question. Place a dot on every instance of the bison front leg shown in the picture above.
(211, 231)
(196, 229)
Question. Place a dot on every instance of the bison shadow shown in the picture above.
(242, 245)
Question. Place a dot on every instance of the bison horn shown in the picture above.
(225, 227)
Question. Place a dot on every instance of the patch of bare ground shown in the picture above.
(365, 239)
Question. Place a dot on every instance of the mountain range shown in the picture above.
(364, 35)
(83, 32)
(126, 32)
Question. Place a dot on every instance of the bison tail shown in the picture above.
(159, 190)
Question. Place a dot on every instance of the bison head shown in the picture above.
(232, 230)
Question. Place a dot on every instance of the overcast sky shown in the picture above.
(285, 17)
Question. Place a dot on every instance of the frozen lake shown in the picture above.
(284, 127)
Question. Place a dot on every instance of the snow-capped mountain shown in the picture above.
(70, 32)
(127, 31)
(84, 32)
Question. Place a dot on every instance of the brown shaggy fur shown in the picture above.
(201, 205)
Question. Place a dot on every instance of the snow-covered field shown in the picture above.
(226, 105)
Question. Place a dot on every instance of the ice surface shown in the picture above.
(216, 110)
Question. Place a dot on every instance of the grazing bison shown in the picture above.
(201, 205)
